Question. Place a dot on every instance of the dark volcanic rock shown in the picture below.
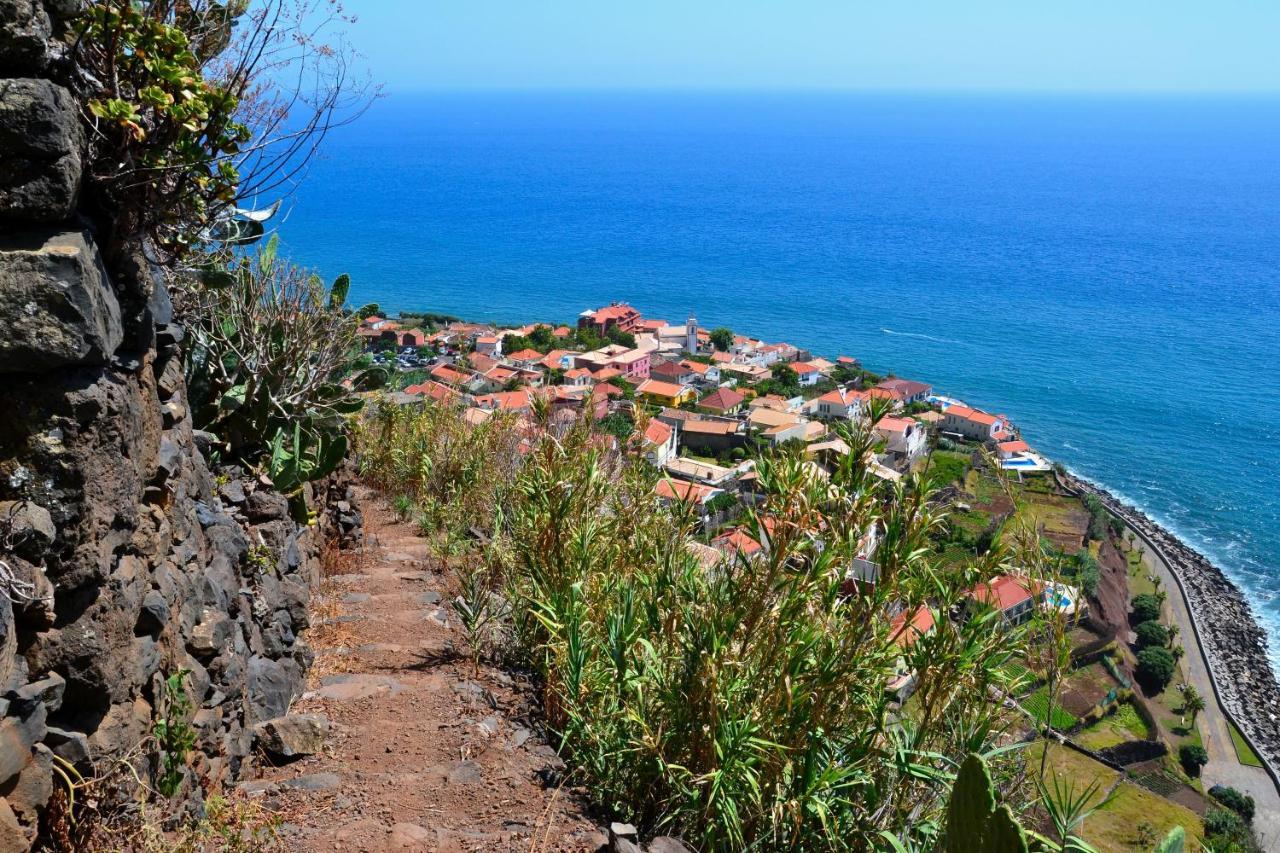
(292, 736)
(40, 150)
(129, 569)
(24, 33)
(56, 303)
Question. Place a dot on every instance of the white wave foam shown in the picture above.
(1241, 573)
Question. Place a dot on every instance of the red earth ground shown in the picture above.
(426, 752)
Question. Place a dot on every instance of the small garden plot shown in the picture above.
(1037, 705)
(949, 466)
(1061, 520)
(1121, 726)
(1080, 636)
(1086, 687)
(1115, 826)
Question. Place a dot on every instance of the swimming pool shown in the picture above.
(1062, 598)
(1020, 463)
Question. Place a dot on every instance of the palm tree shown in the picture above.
(1173, 633)
(1192, 703)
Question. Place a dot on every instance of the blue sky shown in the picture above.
(979, 45)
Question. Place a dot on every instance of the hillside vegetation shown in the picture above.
(740, 703)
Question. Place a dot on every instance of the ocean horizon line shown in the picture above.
(869, 91)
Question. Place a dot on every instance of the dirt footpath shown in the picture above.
(424, 753)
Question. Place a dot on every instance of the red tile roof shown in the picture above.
(736, 541)
(434, 390)
(905, 387)
(722, 400)
(614, 312)
(697, 367)
(1005, 592)
(683, 491)
(895, 424)
(605, 389)
(657, 432)
(977, 416)
(505, 400)
(1013, 446)
(448, 374)
(696, 425)
(907, 627)
(661, 389)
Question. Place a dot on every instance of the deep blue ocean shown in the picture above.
(1104, 270)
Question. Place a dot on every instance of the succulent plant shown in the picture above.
(975, 824)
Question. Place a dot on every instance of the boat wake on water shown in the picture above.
(922, 337)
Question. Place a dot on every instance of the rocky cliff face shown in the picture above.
(123, 558)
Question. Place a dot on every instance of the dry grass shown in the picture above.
(328, 636)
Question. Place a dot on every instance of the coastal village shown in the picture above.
(702, 405)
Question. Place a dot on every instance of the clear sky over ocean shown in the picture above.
(980, 45)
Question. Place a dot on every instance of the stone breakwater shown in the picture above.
(1234, 647)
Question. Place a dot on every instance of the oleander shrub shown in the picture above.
(742, 704)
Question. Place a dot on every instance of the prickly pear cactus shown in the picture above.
(974, 823)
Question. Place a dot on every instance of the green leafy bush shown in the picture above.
(1226, 830)
(1241, 804)
(1151, 634)
(1155, 668)
(173, 733)
(1145, 608)
(1192, 757)
(163, 136)
(270, 348)
(1084, 570)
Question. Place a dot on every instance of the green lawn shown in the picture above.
(949, 465)
(1114, 826)
(1247, 756)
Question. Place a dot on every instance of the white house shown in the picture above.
(490, 345)
(704, 374)
(903, 437)
(840, 404)
(659, 442)
(807, 373)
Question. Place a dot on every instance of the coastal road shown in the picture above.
(1224, 767)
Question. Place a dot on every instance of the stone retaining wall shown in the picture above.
(123, 558)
